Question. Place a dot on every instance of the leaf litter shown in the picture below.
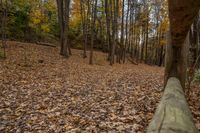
(40, 91)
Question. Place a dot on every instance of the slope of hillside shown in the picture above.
(44, 92)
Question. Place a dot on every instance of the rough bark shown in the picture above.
(173, 114)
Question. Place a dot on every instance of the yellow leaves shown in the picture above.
(39, 20)
(75, 21)
(76, 15)
(45, 28)
(50, 5)
(37, 16)
(35, 21)
(163, 42)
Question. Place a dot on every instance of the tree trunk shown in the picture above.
(108, 38)
(173, 114)
(83, 21)
(147, 37)
(176, 61)
(92, 30)
(66, 47)
(177, 50)
(122, 32)
(126, 39)
(63, 18)
(61, 24)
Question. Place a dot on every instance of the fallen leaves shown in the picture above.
(68, 95)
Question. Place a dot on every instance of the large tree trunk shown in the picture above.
(176, 61)
(61, 24)
(67, 50)
(126, 30)
(180, 22)
(122, 32)
(63, 18)
(173, 114)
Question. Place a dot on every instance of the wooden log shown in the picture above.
(45, 44)
(173, 114)
(132, 61)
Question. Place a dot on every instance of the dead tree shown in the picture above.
(173, 114)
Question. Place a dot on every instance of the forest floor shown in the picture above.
(40, 91)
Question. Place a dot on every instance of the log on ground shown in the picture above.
(173, 114)
(45, 44)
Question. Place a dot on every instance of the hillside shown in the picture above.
(44, 92)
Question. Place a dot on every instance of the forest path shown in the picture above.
(49, 93)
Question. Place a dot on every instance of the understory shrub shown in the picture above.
(197, 75)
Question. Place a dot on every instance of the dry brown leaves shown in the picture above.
(41, 91)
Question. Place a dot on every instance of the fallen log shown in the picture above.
(173, 114)
(45, 44)
(132, 61)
